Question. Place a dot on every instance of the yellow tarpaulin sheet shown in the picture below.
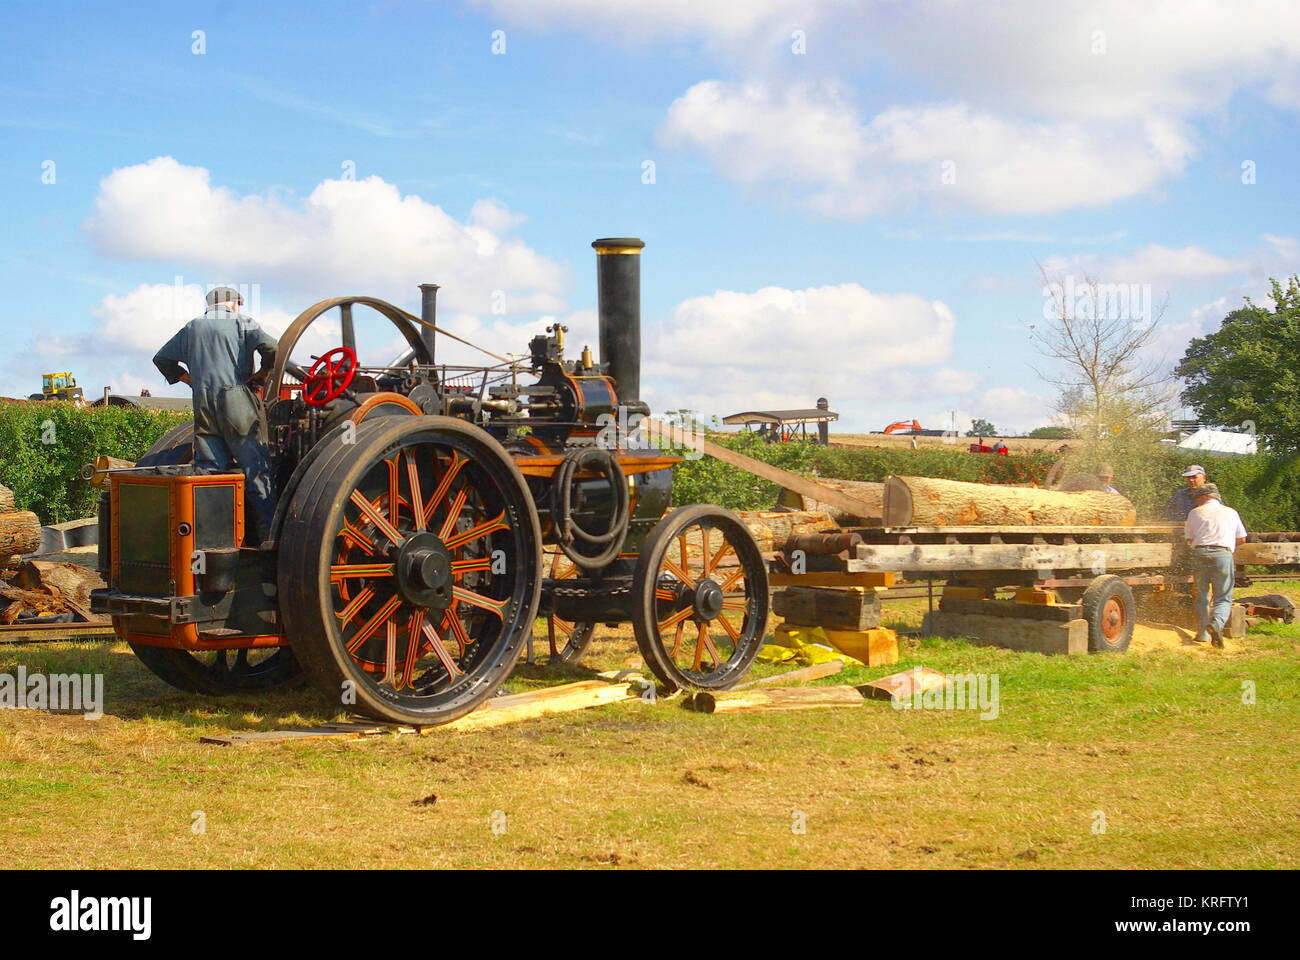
(805, 646)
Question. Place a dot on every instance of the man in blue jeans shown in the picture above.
(1214, 532)
(217, 351)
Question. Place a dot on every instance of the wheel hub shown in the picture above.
(424, 571)
(1112, 619)
(707, 599)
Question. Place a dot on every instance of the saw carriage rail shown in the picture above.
(427, 514)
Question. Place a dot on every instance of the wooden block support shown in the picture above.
(1037, 636)
(1236, 625)
(854, 608)
(875, 647)
(1035, 596)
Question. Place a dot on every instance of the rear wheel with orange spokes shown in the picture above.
(410, 568)
(701, 597)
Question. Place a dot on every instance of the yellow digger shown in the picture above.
(58, 386)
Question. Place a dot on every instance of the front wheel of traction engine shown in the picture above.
(410, 569)
(701, 599)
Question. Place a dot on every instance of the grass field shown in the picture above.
(1150, 759)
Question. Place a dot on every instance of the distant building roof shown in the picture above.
(782, 416)
(1221, 443)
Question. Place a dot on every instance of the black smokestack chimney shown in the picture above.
(429, 314)
(823, 428)
(618, 294)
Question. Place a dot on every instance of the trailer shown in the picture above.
(1076, 589)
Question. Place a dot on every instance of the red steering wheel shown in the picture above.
(329, 376)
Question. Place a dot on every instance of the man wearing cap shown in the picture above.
(1105, 474)
(217, 351)
(1184, 499)
(1214, 532)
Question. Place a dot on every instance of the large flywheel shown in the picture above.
(409, 568)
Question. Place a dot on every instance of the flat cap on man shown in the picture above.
(223, 295)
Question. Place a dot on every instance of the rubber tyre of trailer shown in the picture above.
(1111, 612)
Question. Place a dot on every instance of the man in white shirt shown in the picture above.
(1214, 532)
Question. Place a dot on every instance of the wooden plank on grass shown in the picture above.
(817, 671)
(904, 684)
(766, 698)
(494, 713)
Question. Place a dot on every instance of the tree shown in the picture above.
(981, 428)
(1244, 375)
(1113, 392)
(1051, 433)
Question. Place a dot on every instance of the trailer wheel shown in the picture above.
(410, 568)
(701, 599)
(1110, 611)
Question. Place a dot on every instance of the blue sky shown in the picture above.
(848, 199)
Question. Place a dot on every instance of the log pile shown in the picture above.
(931, 502)
(20, 530)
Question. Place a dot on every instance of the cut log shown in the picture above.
(20, 532)
(766, 698)
(931, 502)
(904, 685)
(851, 609)
(66, 580)
(6, 499)
(772, 528)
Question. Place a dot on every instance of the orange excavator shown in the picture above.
(911, 426)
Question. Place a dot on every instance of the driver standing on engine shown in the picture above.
(216, 351)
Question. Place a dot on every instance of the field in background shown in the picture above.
(1144, 760)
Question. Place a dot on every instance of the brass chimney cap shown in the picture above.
(627, 245)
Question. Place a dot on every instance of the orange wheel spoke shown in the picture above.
(458, 630)
(457, 463)
(738, 602)
(677, 641)
(701, 638)
(732, 580)
(679, 572)
(471, 565)
(394, 496)
(413, 480)
(705, 566)
(390, 652)
(453, 514)
(677, 617)
(481, 529)
(369, 511)
(717, 557)
(727, 626)
(478, 600)
(351, 571)
(355, 537)
(360, 600)
(413, 633)
(374, 623)
(440, 651)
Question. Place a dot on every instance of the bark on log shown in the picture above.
(931, 502)
(870, 495)
(6, 499)
(771, 528)
(20, 532)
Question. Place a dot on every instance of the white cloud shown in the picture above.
(777, 348)
(1156, 264)
(811, 139)
(347, 235)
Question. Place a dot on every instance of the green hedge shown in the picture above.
(44, 444)
(1264, 488)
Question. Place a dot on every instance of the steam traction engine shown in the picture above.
(426, 514)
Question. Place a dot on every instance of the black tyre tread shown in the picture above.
(1095, 597)
(648, 564)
